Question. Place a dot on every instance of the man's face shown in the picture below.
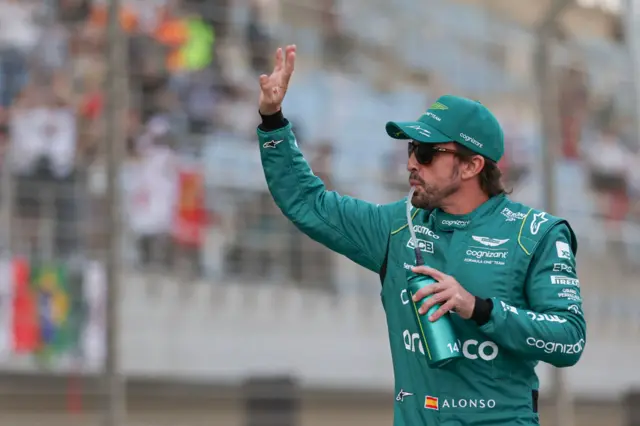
(434, 172)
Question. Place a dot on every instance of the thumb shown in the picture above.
(433, 273)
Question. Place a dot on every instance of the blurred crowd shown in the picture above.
(194, 199)
(52, 76)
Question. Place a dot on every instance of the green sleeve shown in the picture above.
(554, 330)
(351, 227)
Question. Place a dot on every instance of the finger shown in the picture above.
(436, 299)
(290, 63)
(264, 82)
(279, 61)
(442, 310)
(433, 273)
(427, 290)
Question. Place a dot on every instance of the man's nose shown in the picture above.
(412, 163)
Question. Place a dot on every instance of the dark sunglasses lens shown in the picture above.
(424, 153)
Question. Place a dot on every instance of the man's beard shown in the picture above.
(429, 197)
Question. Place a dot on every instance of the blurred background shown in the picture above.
(143, 262)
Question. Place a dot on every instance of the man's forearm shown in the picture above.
(554, 337)
(354, 228)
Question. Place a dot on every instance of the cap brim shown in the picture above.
(416, 130)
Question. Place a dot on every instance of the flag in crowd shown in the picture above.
(59, 310)
(191, 214)
(46, 313)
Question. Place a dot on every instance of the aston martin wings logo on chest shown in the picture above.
(491, 242)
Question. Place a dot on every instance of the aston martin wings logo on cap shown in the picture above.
(423, 132)
(439, 106)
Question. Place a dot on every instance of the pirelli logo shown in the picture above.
(560, 280)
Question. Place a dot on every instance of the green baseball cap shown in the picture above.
(457, 119)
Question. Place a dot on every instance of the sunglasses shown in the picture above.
(425, 153)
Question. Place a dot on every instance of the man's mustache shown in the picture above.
(416, 177)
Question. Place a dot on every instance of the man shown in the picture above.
(506, 272)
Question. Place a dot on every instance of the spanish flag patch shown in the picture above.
(430, 402)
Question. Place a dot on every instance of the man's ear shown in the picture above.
(472, 167)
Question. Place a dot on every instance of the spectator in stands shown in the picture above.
(52, 51)
(4, 136)
(73, 11)
(258, 38)
(90, 114)
(99, 15)
(608, 162)
(43, 138)
(395, 172)
(334, 42)
(18, 27)
(151, 191)
(311, 263)
(189, 233)
(199, 97)
(217, 14)
(514, 164)
(12, 74)
(573, 103)
(634, 187)
(233, 109)
(18, 36)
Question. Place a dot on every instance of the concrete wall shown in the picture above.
(36, 401)
(205, 331)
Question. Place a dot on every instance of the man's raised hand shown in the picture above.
(273, 87)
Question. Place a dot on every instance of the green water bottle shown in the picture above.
(438, 337)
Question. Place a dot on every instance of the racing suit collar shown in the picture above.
(450, 222)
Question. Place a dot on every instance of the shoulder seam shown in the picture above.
(406, 224)
(524, 220)
(555, 220)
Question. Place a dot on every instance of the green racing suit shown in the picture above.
(520, 259)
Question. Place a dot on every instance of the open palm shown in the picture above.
(273, 87)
